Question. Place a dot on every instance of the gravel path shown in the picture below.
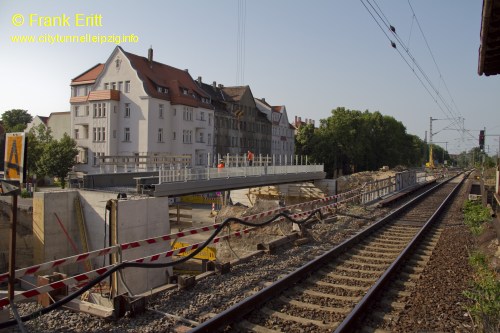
(437, 304)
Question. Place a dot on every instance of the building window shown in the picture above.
(187, 136)
(76, 109)
(99, 134)
(160, 111)
(210, 119)
(99, 110)
(209, 139)
(120, 85)
(77, 134)
(114, 134)
(160, 134)
(127, 86)
(127, 110)
(106, 87)
(126, 137)
(202, 116)
(96, 158)
(174, 136)
(201, 137)
(113, 85)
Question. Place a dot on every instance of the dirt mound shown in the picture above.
(350, 182)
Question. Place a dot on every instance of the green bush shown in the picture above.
(485, 295)
(25, 194)
(475, 215)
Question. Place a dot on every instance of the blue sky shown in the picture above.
(311, 56)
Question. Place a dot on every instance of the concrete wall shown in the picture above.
(115, 179)
(329, 186)
(49, 240)
(137, 219)
(141, 219)
(24, 235)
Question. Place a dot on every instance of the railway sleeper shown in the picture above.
(371, 253)
(329, 296)
(354, 270)
(336, 285)
(248, 326)
(305, 305)
(393, 249)
(360, 257)
(300, 320)
(350, 278)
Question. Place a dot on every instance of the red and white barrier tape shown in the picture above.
(113, 249)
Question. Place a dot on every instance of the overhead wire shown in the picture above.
(409, 59)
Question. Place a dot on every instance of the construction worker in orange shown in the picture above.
(221, 164)
(250, 158)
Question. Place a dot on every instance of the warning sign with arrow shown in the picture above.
(15, 149)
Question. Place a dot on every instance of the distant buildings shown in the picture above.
(283, 139)
(134, 106)
(58, 122)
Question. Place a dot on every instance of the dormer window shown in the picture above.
(162, 90)
(184, 91)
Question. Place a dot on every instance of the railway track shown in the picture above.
(334, 291)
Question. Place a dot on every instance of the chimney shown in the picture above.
(221, 86)
(263, 99)
(186, 70)
(295, 120)
(150, 56)
(199, 80)
(214, 85)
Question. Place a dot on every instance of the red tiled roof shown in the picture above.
(89, 76)
(154, 74)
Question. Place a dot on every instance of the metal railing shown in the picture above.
(173, 174)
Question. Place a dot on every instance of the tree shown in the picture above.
(304, 140)
(15, 120)
(352, 141)
(58, 158)
(38, 138)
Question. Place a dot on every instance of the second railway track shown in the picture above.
(331, 292)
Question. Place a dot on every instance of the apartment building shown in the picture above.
(57, 122)
(135, 106)
(283, 138)
(239, 125)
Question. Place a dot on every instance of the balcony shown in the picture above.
(97, 95)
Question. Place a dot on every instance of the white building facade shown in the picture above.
(283, 137)
(134, 106)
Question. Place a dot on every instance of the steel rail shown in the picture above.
(350, 323)
(244, 307)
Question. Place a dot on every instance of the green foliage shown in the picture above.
(353, 141)
(475, 215)
(58, 158)
(15, 120)
(304, 140)
(484, 294)
(38, 138)
(25, 193)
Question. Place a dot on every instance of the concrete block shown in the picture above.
(186, 281)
